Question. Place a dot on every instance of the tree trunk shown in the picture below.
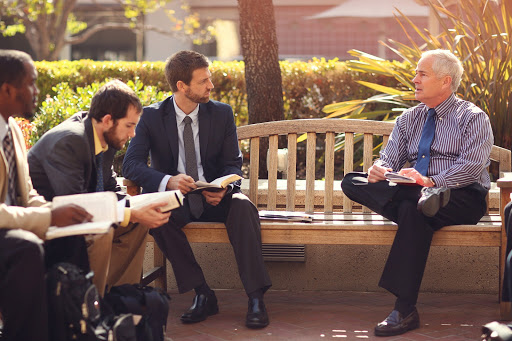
(262, 72)
(260, 52)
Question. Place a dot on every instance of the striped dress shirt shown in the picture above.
(459, 154)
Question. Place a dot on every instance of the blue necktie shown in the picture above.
(11, 163)
(427, 136)
(99, 172)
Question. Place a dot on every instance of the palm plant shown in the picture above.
(478, 31)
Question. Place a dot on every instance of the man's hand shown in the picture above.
(376, 173)
(214, 198)
(150, 215)
(183, 182)
(414, 174)
(69, 215)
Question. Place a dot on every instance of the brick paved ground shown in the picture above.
(317, 315)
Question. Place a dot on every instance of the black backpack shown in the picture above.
(73, 303)
(151, 303)
(74, 309)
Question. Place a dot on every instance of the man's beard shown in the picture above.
(196, 98)
(111, 138)
(28, 112)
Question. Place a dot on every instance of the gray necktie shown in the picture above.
(11, 163)
(195, 200)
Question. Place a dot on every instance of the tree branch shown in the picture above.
(80, 38)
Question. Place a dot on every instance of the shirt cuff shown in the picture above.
(163, 184)
(127, 216)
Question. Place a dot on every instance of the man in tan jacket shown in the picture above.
(24, 215)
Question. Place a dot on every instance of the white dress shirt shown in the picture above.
(180, 116)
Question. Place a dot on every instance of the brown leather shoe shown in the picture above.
(432, 199)
(395, 324)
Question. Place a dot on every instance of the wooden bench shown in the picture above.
(339, 221)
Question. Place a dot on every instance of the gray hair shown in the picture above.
(446, 64)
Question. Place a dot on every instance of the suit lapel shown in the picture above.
(171, 128)
(204, 131)
(87, 122)
(20, 164)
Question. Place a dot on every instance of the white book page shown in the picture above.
(174, 199)
(102, 205)
(72, 230)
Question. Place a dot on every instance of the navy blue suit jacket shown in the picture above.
(157, 137)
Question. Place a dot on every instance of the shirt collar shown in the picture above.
(4, 126)
(445, 107)
(97, 144)
(180, 115)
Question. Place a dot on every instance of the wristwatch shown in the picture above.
(433, 182)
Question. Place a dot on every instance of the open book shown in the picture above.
(102, 205)
(286, 216)
(218, 183)
(399, 179)
(174, 200)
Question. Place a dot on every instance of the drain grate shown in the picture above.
(284, 253)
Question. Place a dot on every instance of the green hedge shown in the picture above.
(307, 86)
(68, 86)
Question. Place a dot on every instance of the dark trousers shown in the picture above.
(407, 258)
(22, 286)
(242, 222)
(507, 280)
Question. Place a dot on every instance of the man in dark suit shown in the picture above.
(77, 157)
(24, 215)
(192, 138)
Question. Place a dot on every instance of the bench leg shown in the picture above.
(160, 261)
(158, 273)
(505, 311)
(505, 307)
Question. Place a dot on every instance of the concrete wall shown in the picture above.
(355, 268)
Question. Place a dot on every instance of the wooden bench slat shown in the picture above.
(310, 171)
(319, 126)
(272, 171)
(329, 173)
(292, 172)
(254, 159)
(348, 166)
(357, 234)
(367, 157)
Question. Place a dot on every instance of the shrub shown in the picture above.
(307, 86)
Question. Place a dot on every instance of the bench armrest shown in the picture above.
(131, 187)
(505, 181)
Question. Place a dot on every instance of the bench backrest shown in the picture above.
(360, 136)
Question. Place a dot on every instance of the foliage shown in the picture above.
(479, 33)
(67, 87)
(26, 129)
(51, 25)
(307, 86)
(68, 101)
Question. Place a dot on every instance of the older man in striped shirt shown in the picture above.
(446, 142)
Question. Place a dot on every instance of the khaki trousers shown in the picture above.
(117, 256)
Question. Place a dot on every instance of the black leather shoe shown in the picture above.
(202, 307)
(395, 324)
(256, 314)
(432, 199)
